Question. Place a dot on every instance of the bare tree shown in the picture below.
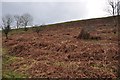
(118, 8)
(114, 7)
(114, 10)
(26, 19)
(18, 20)
(7, 20)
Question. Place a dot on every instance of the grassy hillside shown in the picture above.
(55, 51)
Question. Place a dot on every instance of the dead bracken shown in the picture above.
(59, 52)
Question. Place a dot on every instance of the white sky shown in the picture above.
(51, 11)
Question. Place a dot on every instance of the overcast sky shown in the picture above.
(52, 11)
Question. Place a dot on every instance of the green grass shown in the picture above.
(12, 74)
(17, 31)
(22, 31)
(7, 60)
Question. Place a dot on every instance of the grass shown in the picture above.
(22, 31)
(12, 74)
(7, 60)
(17, 31)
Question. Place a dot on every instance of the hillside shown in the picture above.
(57, 52)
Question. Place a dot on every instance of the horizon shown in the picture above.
(15, 27)
(53, 12)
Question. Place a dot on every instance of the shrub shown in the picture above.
(37, 29)
(84, 34)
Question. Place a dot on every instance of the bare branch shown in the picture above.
(7, 20)
(18, 20)
(26, 19)
(114, 7)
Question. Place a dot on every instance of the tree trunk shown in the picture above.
(6, 36)
(17, 25)
(113, 11)
(25, 27)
